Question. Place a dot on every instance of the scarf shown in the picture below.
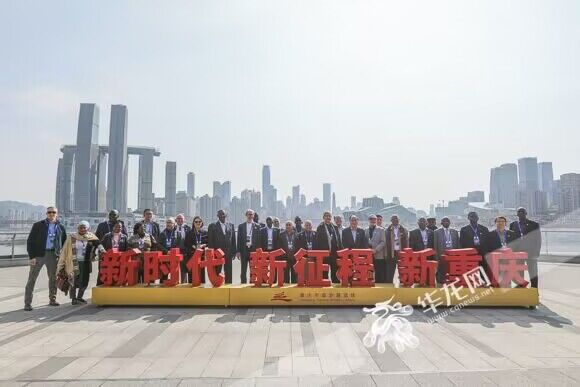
(67, 260)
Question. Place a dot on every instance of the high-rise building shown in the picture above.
(546, 179)
(302, 200)
(569, 189)
(528, 174)
(333, 202)
(86, 159)
(352, 202)
(118, 159)
(224, 191)
(251, 199)
(326, 189)
(504, 185)
(191, 184)
(476, 196)
(101, 182)
(205, 208)
(265, 185)
(184, 204)
(295, 196)
(170, 187)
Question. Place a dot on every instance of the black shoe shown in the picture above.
(75, 301)
(53, 303)
(82, 300)
(28, 308)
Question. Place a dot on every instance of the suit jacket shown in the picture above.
(283, 244)
(403, 240)
(187, 229)
(216, 239)
(466, 238)
(493, 241)
(264, 238)
(162, 241)
(361, 241)
(531, 242)
(36, 242)
(191, 239)
(155, 230)
(107, 241)
(303, 239)
(378, 242)
(242, 233)
(105, 227)
(440, 242)
(416, 240)
(321, 242)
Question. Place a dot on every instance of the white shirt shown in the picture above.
(181, 231)
(353, 234)
(81, 248)
(223, 227)
(424, 236)
(248, 229)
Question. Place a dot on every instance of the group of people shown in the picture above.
(72, 256)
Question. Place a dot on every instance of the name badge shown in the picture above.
(269, 244)
(309, 245)
(290, 246)
(476, 240)
(448, 244)
(397, 245)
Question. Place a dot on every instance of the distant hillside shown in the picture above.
(26, 210)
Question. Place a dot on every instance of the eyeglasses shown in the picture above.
(51, 212)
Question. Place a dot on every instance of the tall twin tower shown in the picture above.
(84, 183)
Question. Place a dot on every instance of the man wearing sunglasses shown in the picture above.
(44, 243)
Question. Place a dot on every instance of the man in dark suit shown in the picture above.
(248, 241)
(529, 240)
(44, 244)
(169, 238)
(474, 236)
(107, 226)
(354, 237)
(222, 235)
(421, 238)
(432, 224)
(306, 237)
(328, 238)
(397, 241)
(151, 227)
(269, 236)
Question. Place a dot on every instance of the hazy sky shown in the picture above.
(415, 99)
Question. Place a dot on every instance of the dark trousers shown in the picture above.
(533, 271)
(380, 271)
(391, 264)
(331, 261)
(289, 272)
(81, 280)
(227, 269)
(245, 259)
(50, 260)
(184, 272)
(441, 270)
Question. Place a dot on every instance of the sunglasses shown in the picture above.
(51, 212)
(197, 221)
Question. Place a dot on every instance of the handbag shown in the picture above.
(62, 282)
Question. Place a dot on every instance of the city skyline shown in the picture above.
(435, 88)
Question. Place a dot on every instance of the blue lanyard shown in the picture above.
(474, 229)
(521, 230)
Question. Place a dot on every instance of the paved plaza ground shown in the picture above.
(92, 346)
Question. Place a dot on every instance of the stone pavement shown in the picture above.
(92, 346)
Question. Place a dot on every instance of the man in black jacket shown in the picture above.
(44, 243)
(329, 238)
(269, 236)
(474, 235)
(422, 237)
(107, 226)
(151, 227)
(528, 239)
(354, 237)
(248, 241)
(222, 235)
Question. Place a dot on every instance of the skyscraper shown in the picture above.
(352, 202)
(118, 159)
(295, 196)
(546, 179)
(326, 196)
(265, 185)
(570, 192)
(528, 171)
(333, 202)
(170, 187)
(223, 191)
(86, 159)
(101, 182)
(191, 184)
(504, 185)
